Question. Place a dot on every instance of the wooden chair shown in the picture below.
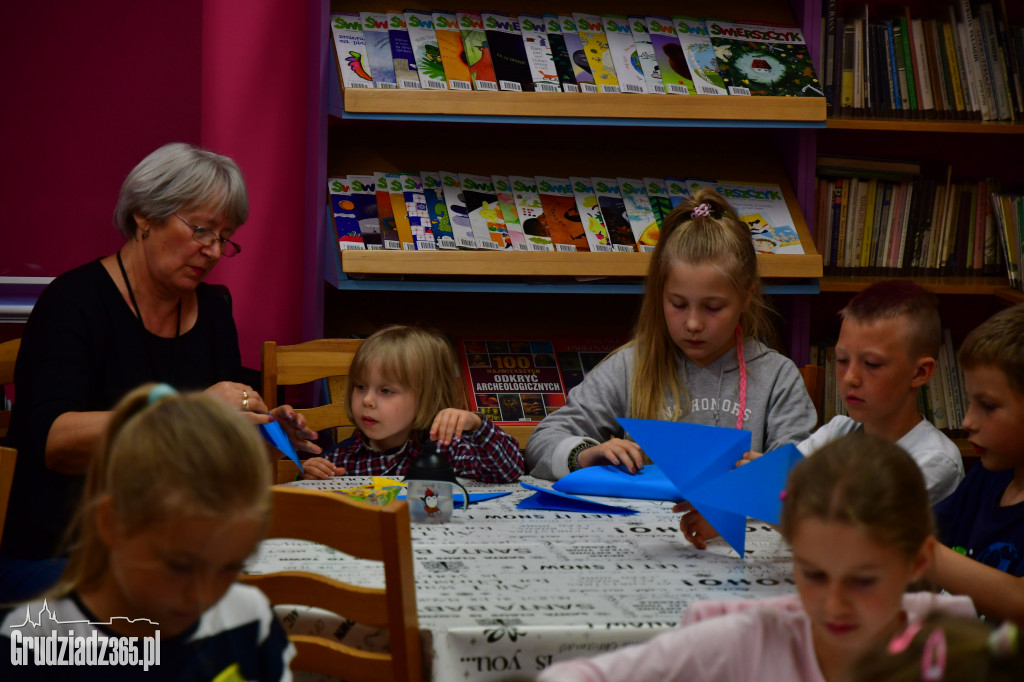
(367, 532)
(302, 363)
(8, 355)
(8, 456)
(814, 380)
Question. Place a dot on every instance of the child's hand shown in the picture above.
(748, 457)
(451, 422)
(695, 527)
(615, 451)
(318, 468)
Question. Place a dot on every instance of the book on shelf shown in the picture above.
(920, 63)
(425, 48)
(364, 199)
(589, 211)
(561, 57)
(613, 211)
(763, 59)
(400, 210)
(1008, 211)
(762, 206)
(476, 51)
(378, 49)
(561, 216)
(577, 54)
(538, 53)
(639, 213)
(484, 213)
(531, 212)
(350, 50)
(661, 203)
(404, 59)
(449, 43)
(423, 237)
(440, 221)
(508, 53)
(645, 55)
(346, 225)
(512, 381)
(595, 48)
(622, 49)
(507, 206)
(458, 214)
(704, 76)
(385, 213)
(668, 51)
(829, 54)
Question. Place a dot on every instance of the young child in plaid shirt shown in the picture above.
(404, 387)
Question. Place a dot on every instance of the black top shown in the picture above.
(82, 350)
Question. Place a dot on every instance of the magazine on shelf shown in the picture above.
(645, 55)
(764, 59)
(378, 49)
(507, 204)
(668, 52)
(512, 381)
(385, 213)
(423, 38)
(577, 54)
(639, 213)
(364, 198)
(561, 214)
(346, 225)
(531, 212)
(538, 53)
(401, 52)
(560, 55)
(613, 210)
(462, 228)
(508, 53)
(419, 216)
(350, 50)
(577, 355)
(678, 191)
(476, 51)
(400, 210)
(657, 193)
(440, 221)
(596, 231)
(449, 42)
(623, 52)
(595, 48)
(484, 213)
(705, 78)
(763, 208)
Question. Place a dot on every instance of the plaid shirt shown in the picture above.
(488, 455)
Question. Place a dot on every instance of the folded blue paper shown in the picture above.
(650, 483)
(557, 501)
(473, 498)
(275, 435)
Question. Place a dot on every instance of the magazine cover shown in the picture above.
(561, 214)
(396, 193)
(416, 208)
(440, 222)
(700, 56)
(640, 213)
(668, 52)
(364, 196)
(538, 53)
(378, 49)
(613, 210)
(350, 50)
(449, 42)
(508, 53)
(457, 213)
(645, 55)
(426, 50)
(401, 52)
(560, 55)
(577, 55)
(677, 190)
(507, 204)
(386, 214)
(343, 211)
(763, 208)
(590, 215)
(531, 213)
(624, 54)
(764, 59)
(476, 51)
(657, 193)
(595, 48)
(484, 213)
(512, 380)
(578, 355)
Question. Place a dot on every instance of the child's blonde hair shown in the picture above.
(419, 359)
(973, 651)
(864, 481)
(719, 238)
(901, 298)
(998, 342)
(167, 455)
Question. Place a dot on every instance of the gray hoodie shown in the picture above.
(778, 409)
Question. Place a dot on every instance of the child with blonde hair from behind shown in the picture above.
(405, 387)
(857, 517)
(696, 354)
(174, 503)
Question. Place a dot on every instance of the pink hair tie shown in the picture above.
(933, 660)
(702, 211)
(901, 641)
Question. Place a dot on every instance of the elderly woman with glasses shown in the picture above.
(143, 314)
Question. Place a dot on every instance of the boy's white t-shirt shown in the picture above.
(936, 455)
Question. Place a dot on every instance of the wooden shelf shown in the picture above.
(547, 105)
(926, 126)
(989, 286)
(543, 264)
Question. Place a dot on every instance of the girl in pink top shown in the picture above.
(859, 522)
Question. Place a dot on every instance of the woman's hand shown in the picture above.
(695, 527)
(238, 397)
(616, 451)
(451, 422)
(294, 424)
(318, 468)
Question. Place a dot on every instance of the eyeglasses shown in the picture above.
(208, 237)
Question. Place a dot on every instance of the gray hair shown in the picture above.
(179, 176)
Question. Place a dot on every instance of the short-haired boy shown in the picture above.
(888, 342)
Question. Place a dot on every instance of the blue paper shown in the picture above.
(473, 498)
(650, 483)
(558, 501)
(275, 435)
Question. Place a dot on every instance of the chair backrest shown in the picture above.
(8, 355)
(367, 532)
(814, 380)
(7, 459)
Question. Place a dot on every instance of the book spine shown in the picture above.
(993, 59)
(980, 78)
(828, 65)
(953, 68)
(922, 75)
(848, 82)
(908, 99)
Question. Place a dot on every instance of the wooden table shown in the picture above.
(502, 592)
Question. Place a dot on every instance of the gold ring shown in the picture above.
(245, 401)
